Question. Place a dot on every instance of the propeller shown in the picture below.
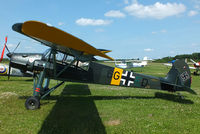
(9, 54)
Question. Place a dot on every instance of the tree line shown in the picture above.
(194, 56)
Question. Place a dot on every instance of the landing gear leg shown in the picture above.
(33, 102)
(45, 87)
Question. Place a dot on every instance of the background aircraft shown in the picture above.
(60, 62)
(127, 64)
(6, 71)
(196, 65)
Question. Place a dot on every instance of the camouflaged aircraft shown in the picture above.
(71, 59)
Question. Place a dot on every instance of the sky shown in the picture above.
(130, 28)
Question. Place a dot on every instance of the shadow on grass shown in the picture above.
(173, 97)
(75, 110)
(12, 79)
(76, 115)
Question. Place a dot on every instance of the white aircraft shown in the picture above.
(132, 63)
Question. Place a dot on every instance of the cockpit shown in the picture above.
(64, 59)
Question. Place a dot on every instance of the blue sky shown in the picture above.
(130, 28)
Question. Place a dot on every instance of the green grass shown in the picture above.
(88, 108)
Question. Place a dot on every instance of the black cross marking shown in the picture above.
(185, 76)
(127, 79)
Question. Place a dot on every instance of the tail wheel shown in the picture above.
(32, 103)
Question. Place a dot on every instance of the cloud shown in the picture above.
(192, 13)
(92, 22)
(115, 14)
(60, 23)
(148, 49)
(156, 11)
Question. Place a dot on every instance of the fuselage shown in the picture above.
(92, 72)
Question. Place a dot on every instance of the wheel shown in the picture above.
(32, 103)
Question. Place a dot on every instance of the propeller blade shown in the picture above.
(193, 61)
(6, 39)
(16, 46)
(2, 53)
(9, 71)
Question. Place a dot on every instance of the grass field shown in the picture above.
(88, 108)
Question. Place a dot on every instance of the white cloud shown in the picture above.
(157, 10)
(148, 49)
(92, 22)
(115, 14)
(60, 23)
(192, 13)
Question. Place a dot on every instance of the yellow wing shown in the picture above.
(42, 31)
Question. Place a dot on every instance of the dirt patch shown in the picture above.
(6, 95)
(112, 123)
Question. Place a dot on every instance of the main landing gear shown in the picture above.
(40, 91)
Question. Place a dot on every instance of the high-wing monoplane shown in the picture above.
(127, 64)
(72, 59)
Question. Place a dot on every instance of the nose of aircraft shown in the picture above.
(9, 55)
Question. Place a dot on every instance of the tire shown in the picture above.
(32, 103)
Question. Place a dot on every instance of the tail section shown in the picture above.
(178, 78)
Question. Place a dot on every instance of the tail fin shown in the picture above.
(179, 77)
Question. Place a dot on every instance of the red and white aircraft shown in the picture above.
(196, 66)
